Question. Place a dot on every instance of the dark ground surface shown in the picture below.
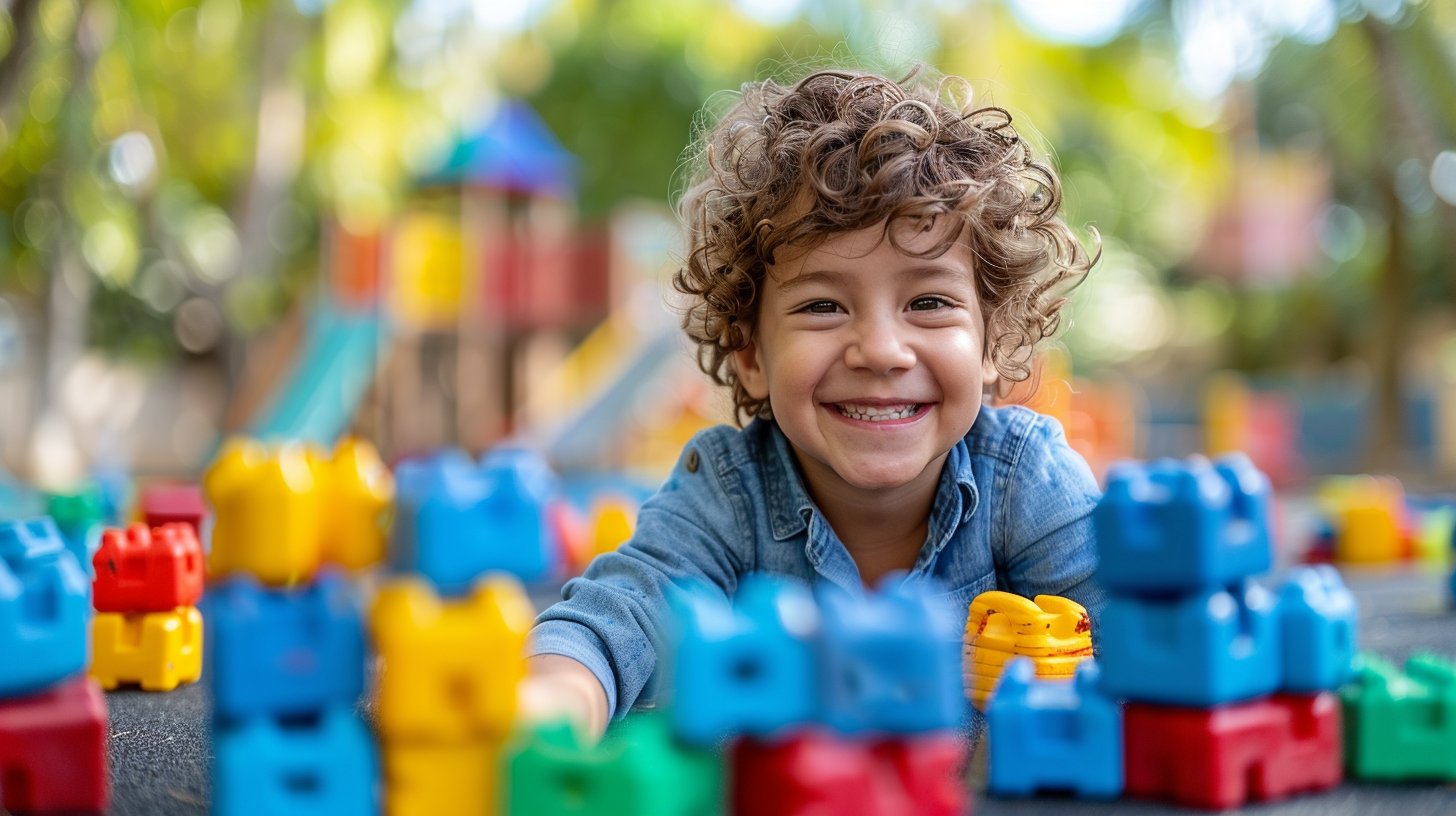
(160, 751)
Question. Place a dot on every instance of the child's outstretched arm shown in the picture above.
(558, 686)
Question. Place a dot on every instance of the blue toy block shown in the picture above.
(1180, 526)
(283, 652)
(45, 608)
(890, 662)
(1053, 735)
(522, 487)
(748, 667)
(1317, 616)
(1204, 649)
(455, 521)
(324, 765)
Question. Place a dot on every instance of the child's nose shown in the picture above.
(880, 346)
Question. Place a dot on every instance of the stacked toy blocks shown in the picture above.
(147, 630)
(52, 717)
(1208, 660)
(1053, 632)
(1050, 735)
(286, 646)
(845, 704)
(451, 630)
(1401, 725)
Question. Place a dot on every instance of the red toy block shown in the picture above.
(141, 570)
(814, 773)
(172, 504)
(927, 773)
(1222, 757)
(53, 750)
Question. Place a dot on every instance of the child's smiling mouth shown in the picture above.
(881, 413)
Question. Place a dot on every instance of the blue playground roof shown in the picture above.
(513, 150)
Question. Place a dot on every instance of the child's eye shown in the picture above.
(821, 307)
(929, 303)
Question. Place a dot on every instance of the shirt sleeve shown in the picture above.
(610, 619)
(1048, 543)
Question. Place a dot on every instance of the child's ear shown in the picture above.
(990, 375)
(748, 364)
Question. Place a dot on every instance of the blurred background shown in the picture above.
(447, 222)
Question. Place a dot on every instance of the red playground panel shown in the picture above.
(1222, 757)
(142, 570)
(53, 750)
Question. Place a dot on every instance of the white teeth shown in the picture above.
(869, 413)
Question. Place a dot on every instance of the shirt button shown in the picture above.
(692, 461)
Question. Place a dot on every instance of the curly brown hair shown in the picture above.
(840, 151)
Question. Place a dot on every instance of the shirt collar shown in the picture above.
(790, 508)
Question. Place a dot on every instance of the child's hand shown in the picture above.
(557, 687)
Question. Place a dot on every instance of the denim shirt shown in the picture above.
(1013, 511)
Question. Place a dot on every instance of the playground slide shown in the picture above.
(330, 376)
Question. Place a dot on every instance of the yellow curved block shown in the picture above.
(357, 491)
(1055, 632)
(611, 527)
(450, 668)
(266, 513)
(1368, 512)
(158, 651)
(427, 779)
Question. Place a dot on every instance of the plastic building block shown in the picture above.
(79, 516)
(1436, 536)
(45, 603)
(612, 524)
(358, 492)
(455, 521)
(277, 652)
(449, 779)
(173, 504)
(636, 770)
(144, 570)
(53, 750)
(748, 667)
(1222, 757)
(890, 661)
(1052, 735)
(1208, 648)
(450, 668)
(1056, 633)
(522, 487)
(819, 774)
(266, 509)
(1369, 523)
(1317, 616)
(1401, 725)
(324, 764)
(1171, 526)
(158, 651)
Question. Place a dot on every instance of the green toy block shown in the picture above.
(1401, 725)
(636, 770)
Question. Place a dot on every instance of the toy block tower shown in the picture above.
(450, 625)
(1236, 676)
(828, 702)
(147, 630)
(52, 717)
(285, 646)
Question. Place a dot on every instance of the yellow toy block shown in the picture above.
(157, 650)
(1056, 633)
(266, 513)
(358, 495)
(427, 779)
(1368, 513)
(450, 668)
(612, 526)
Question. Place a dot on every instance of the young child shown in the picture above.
(867, 259)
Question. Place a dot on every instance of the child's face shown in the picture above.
(872, 360)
